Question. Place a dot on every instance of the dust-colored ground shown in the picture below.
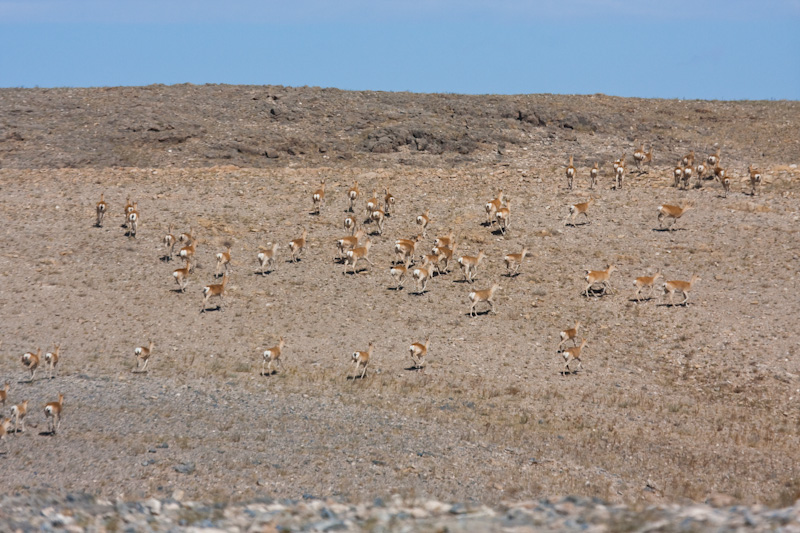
(671, 403)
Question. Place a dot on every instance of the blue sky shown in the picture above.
(666, 49)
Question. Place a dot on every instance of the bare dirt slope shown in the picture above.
(672, 402)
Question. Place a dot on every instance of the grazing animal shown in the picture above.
(671, 212)
(272, 355)
(267, 256)
(216, 290)
(671, 287)
(645, 282)
(598, 276)
(515, 261)
(578, 209)
(486, 295)
(53, 412)
(101, 208)
(51, 361)
(418, 353)
(569, 334)
(755, 179)
(181, 275)
(18, 413)
(361, 359)
(31, 361)
(142, 354)
(570, 174)
(296, 245)
(573, 354)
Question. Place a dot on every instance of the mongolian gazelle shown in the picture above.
(51, 361)
(359, 252)
(671, 212)
(187, 252)
(372, 204)
(4, 394)
(423, 220)
(569, 334)
(723, 178)
(619, 173)
(18, 413)
(645, 282)
(4, 423)
(469, 265)
(223, 260)
(361, 359)
(267, 256)
(514, 261)
(181, 275)
(578, 209)
(350, 223)
(296, 245)
(216, 290)
(398, 272)
(593, 174)
(603, 277)
(169, 244)
(404, 249)
(378, 216)
(491, 208)
(272, 355)
(101, 209)
(421, 276)
(570, 174)
(142, 354)
(318, 198)
(388, 202)
(641, 157)
(445, 254)
(348, 242)
(52, 411)
(573, 354)
(486, 295)
(31, 361)
(671, 287)
(418, 353)
(755, 179)
(713, 159)
(503, 216)
(352, 194)
(133, 221)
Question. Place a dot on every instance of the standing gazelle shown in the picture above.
(503, 216)
(570, 174)
(31, 361)
(51, 361)
(53, 411)
(143, 354)
(361, 359)
(593, 174)
(169, 244)
(101, 209)
(755, 179)
(223, 260)
(272, 355)
(181, 275)
(418, 353)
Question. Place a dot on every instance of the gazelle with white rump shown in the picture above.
(223, 260)
(398, 272)
(356, 254)
(446, 241)
(603, 277)
(573, 354)
(418, 353)
(578, 209)
(569, 334)
(514, 261)
(186, 237)
(187, 252)
(486, 295)
(31, 361)
(491, 208)
(619, 173)
(714, 159)
(4, 424)
(350, 223)
(724, 179)
(361, 360)
(423, 220)
(672, 213)
(352, 195)
(570, 174)
(641, 157)
(51, 361)
(181, 275)
(593, 175)
(671, 287)
(503, 216)
(688, 159)
(133, 221)
(272, 356)
(53, 412)
(421, 275)
(378, 216)
(18, 413)
(296, 245)
(388, 202)
(216, 290)
(677, 176)
(318, 198)
(142, 354)
(469, 265)
(169, 244)
(348, 242)
(755, 179)
(645, 282)
(129, 206)
(687, 176)
(100, 209)
(4, 394)
(445, 254)
(372, 204)
(267, 256)
(404, 249)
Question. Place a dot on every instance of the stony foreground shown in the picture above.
(85, 513)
